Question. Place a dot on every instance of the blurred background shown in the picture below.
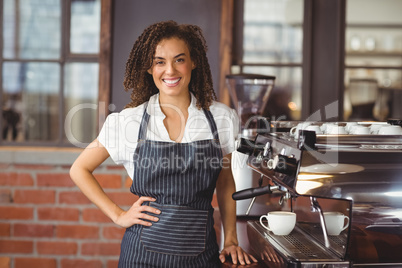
(60, 78)
(61, 73)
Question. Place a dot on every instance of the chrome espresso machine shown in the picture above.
(310, 173)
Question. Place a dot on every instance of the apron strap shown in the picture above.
(212, 124)
(142, 134)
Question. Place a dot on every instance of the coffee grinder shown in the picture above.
(249, 94)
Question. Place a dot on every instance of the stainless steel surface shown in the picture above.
(372, 166)
(245, 178)
(316, 207)
(358, 175)
(284, 251)
(250, 205)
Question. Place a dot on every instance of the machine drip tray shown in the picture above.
(338, 243)
(301, 246)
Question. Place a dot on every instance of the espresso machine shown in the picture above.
(249, 94)
(359, 176)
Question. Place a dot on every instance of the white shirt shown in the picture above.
(119, 134)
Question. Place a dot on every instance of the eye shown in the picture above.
(180, 60)
(159, 62)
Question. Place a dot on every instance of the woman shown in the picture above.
(175, 142)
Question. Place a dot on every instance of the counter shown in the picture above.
(241, 224)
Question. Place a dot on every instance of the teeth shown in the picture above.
(172, 81)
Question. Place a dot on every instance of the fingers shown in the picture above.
(252, 257)
(137, 214)
(142, 208)
(222, 256)
(237, 254)
(138, 210)
(145, 219)
(143, 199)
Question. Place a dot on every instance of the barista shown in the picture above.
(175, 142)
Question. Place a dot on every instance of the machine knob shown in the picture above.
(283, 164)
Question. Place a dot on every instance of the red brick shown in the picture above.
(102, 249)
(123, 198)
(4, 230)
(94, 215)
(35, 263)
(77, 231)
(34, 196)
(54, 179)
(57, 248)
(13, 246)
(109, 180)
(20, 179)
(5, 262)
(73, 198)
(16, 213)
(74, 263)
(33, 230)
(66, 167)
(5, 196)
(116, 167)
(112, 263)
(113, 232)
(33, 166)
(58, 214)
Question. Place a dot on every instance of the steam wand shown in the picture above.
(253, 200)
(316, 207)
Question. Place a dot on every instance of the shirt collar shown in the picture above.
(154, 108)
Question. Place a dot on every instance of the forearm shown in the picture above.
(227, 206)
(90, 187)
(81, 173)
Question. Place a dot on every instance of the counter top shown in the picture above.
(241, 225)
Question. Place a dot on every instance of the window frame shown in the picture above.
(323, 23)
(237, 50)
(103, 58)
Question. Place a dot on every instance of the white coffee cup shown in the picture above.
(349, 126)
(294, 131)
(279, 222)
(326, 127)
(336, 130)
(335, 222)
(390, 130)
(314, 128)
(374, 128)
(360, 130)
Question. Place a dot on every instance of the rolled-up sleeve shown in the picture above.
(108, 137)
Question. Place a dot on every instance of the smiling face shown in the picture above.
(171, 68)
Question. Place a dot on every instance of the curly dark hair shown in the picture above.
(141, 57)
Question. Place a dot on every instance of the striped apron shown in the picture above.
(182, 178)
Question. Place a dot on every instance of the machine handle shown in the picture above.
(253, 192)
(246, 146)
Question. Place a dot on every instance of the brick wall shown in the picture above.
(46, 222)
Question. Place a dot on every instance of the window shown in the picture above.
(271, 44)
(373, 71)
(49, 67)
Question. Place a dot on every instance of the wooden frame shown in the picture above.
(105, 61)
(225, 49)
